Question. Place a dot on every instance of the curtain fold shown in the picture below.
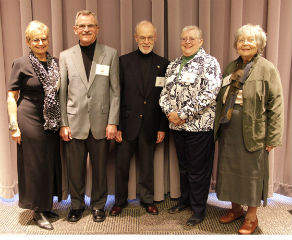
(219, 19)
(8, 177)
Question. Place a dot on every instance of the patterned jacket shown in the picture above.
(192, 93)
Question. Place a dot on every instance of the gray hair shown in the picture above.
(85, 13)
(260, 35)
(142, 23)
(193, 28)
(35, 26)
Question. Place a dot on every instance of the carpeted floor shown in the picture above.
(275, 219)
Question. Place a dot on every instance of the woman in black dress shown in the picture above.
(34, 114)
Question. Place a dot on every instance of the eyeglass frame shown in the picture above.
(83, 26)
(143, 39)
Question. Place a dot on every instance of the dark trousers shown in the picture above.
(195, 151)
(145, 154)
(77, 151)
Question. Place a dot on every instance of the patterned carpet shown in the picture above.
(275, 219)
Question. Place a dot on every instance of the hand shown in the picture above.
(160, 136)
(175, 119)
(16, 136)
(111, 131)
(269, 148)
(65, 133)
(119, 137)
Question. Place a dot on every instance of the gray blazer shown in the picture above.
(89, 104)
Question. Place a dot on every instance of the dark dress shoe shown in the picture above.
(51, 214)
(194, 220)
(42, 221)
(150, 208)
(116, 210)
(75, 215)
(177, 208)
(98, 215)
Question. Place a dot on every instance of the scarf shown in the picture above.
(49, 79)
(238, 78)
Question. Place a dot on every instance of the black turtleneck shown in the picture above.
(145, 62)
(87, 55)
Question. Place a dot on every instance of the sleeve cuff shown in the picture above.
(182, 115)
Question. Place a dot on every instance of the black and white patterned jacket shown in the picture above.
(192, 93)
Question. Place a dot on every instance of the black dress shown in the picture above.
(38, 155)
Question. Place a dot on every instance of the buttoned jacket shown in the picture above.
(89, 104)
(139, 103)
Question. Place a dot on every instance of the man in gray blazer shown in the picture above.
(90, 100)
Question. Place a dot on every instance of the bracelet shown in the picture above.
(13, 126)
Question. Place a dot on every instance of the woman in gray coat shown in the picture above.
(248, 125)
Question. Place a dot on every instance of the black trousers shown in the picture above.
(195, 152)
(145, 153)
(77, 151)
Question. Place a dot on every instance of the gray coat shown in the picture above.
(89, 104)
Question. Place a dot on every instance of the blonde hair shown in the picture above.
(260, 35)
(85, 13)
(195, 28)
(36, 26)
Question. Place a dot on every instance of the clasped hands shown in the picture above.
(175, 119)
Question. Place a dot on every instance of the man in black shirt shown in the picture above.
(142, 123)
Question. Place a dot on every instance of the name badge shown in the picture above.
(102, 70)
(188, 77)
(160, 81)
(226, 81)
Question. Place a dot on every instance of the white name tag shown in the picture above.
(160, 81)
(188, 77)
(102, 70)
(226, 81)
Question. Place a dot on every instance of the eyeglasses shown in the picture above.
(191, 40)
(143, 39)
(89, 26)
(38, 40)
(248, 40)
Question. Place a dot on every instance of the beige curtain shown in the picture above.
(218, 19)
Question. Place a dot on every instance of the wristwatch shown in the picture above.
(13, 126)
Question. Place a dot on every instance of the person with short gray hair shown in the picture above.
(188, 99)
(142, 123)
(248, 125)
(90, 103)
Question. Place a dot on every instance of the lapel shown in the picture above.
(155, 69)
(138, 79)
(78, 61)
(98, 57)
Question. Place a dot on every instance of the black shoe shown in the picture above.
(194, 220)
(75, 215)
(98, 215)
(42, 221)
(51, 214)
(177, 208)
